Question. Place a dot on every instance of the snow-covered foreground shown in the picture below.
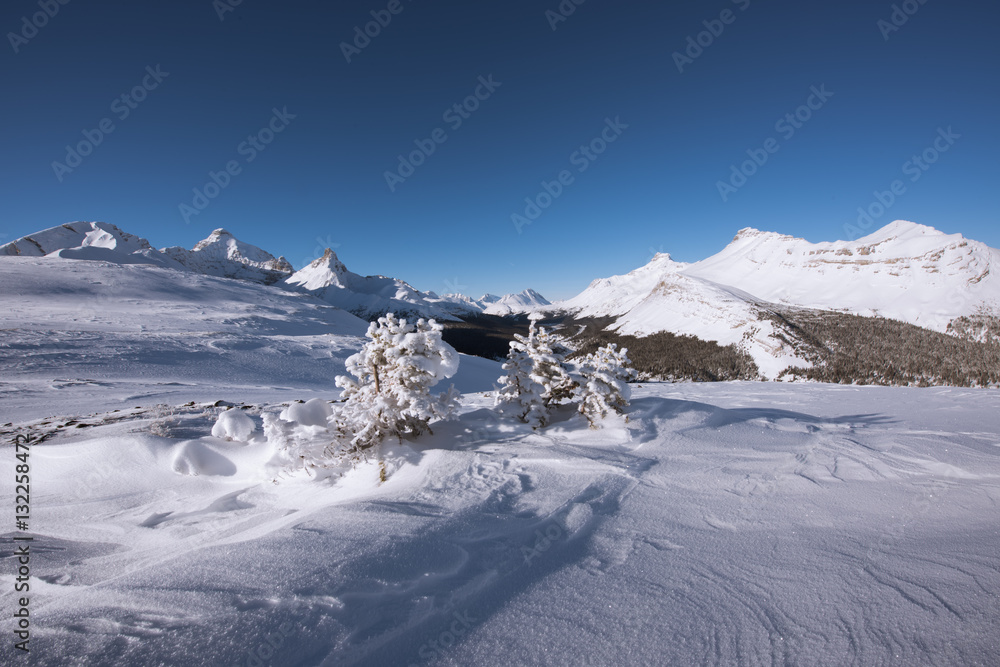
(742, 523)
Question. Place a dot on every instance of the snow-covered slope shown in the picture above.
(903, 271)
(725, 524)
(609, 297)
(74, 328)
(75, 235)
(661, 297)
(222, 255)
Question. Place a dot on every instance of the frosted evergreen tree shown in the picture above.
(536, 377)
(519, 392)
(605, 388)
(548, 352)
(389, 394)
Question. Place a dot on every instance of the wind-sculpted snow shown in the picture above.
(734, 523)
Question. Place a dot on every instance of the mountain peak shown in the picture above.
(752, 233)
(900, 229)
(330, 261)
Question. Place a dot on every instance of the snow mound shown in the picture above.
(314, 412)
(196, 458)
(233, 424)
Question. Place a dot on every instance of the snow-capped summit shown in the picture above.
(223, 255)
(365, 296)
(618, 294)
(322, 272)
(522, 302)
(903, 271)
(490, 304)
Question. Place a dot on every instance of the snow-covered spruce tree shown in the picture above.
(605, 388)
(389, 394)
(536, 377)
(519, 393)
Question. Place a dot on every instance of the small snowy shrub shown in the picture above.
(536, 377)
(605, 389)
(233, 424)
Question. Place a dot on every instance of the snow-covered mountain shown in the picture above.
(223, 255)
(220, 255)
(903, 271)
(491, 304)
(510, 304)
(365, 296)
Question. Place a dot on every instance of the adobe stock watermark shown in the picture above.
(249, 149)
(31, 25)
(582, 158)
(223, 7)
(786, 126)
(455, 116)
(122, 107)
(714, 28)
(562, 12)
(264, 650)
(459, 626)
(915, 167)
(381, 18)
(544, 540)
(900, 15)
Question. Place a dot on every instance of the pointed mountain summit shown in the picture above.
(222, 254)
(367, 297)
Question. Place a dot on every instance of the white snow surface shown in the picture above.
(739, 523)
(730, 523)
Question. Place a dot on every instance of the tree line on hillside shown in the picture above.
(851, 349)
(843, 348)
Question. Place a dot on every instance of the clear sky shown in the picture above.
(553, 84)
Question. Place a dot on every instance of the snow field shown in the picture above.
(731, 523)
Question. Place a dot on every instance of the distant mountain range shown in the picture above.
(773, 299)
(224, 256)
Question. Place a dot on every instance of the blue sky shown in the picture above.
(888, 95)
